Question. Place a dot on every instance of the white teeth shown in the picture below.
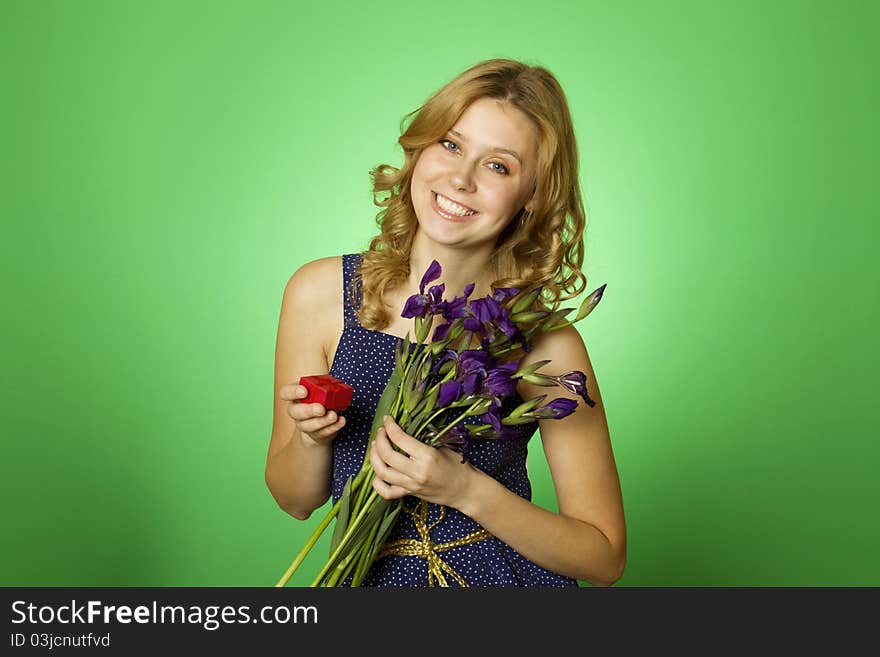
(452, 208)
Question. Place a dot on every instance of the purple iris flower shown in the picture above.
(556, 409)
(576, 382)
(485, 309)
(503, 322)
(432, 274)
(441, 332)
(458, 306)
(472, 324)
(470, 360)
(471, 381)
(498, 382)
(416, 306)
(493, 416)
(450, 391)
(421, 304)
(490, 317)
(445, 356)
(472, 366)
(458, 439)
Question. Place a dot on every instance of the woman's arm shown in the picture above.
(298, 463)
(586, 540)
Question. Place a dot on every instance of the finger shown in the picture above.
(389, 474)
(293, 392)
(386, 490)
(313, 425)
(389, 455)
(329, 430)
(402, 439)
(300, 412)
(380, 468)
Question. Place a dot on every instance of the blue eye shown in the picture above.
(449, 141)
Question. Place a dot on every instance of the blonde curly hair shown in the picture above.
(541, 247)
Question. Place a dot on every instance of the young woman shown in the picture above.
(489, 188)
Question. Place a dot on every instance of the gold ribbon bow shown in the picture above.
(427, 549)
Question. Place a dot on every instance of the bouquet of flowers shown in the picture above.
(470, 365)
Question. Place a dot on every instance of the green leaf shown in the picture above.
(383, 408)
(398, 357)
(477, 428)
(433, 396)
(539, 380)
(479, 407)
(377, 540)
(384, 530)
(423, 327)
(373, 517)
(527, 317)
(556, 317)
(586, 307)
(363, 559)
(525, 407)
(404, 355)
(343, 515)
(446, 368)
(530, 369)
(513, 421)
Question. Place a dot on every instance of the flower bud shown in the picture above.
(526, 301)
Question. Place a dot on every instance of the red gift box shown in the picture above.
(330, 392)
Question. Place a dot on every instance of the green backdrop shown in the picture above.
(168, 165)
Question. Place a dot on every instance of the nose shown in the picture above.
(463, 177)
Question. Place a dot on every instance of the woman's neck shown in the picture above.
(460, 268)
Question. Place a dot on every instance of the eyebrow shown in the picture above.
(494, 148)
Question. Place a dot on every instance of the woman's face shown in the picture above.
(483, 166)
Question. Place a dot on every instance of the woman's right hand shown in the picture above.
(313, 421)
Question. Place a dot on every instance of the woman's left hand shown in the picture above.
(435, 474)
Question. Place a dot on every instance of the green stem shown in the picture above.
(395, 407)
(452, 424)
(317, 533)
(362, 492)
(352, 527)
(428, 421)
(309, 544)
(362, 565)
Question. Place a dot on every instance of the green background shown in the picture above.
(168, 165)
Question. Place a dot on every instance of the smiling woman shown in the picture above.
(489, 190)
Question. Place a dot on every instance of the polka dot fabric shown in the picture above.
(365, 359)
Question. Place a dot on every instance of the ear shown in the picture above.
(530, 202)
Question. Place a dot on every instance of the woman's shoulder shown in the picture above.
(319, 277)
(316, 284)
(561, 347)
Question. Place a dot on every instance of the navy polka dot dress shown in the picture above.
(430, 545)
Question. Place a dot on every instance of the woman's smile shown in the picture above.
(447, 212)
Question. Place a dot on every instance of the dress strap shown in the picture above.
(351, 298)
